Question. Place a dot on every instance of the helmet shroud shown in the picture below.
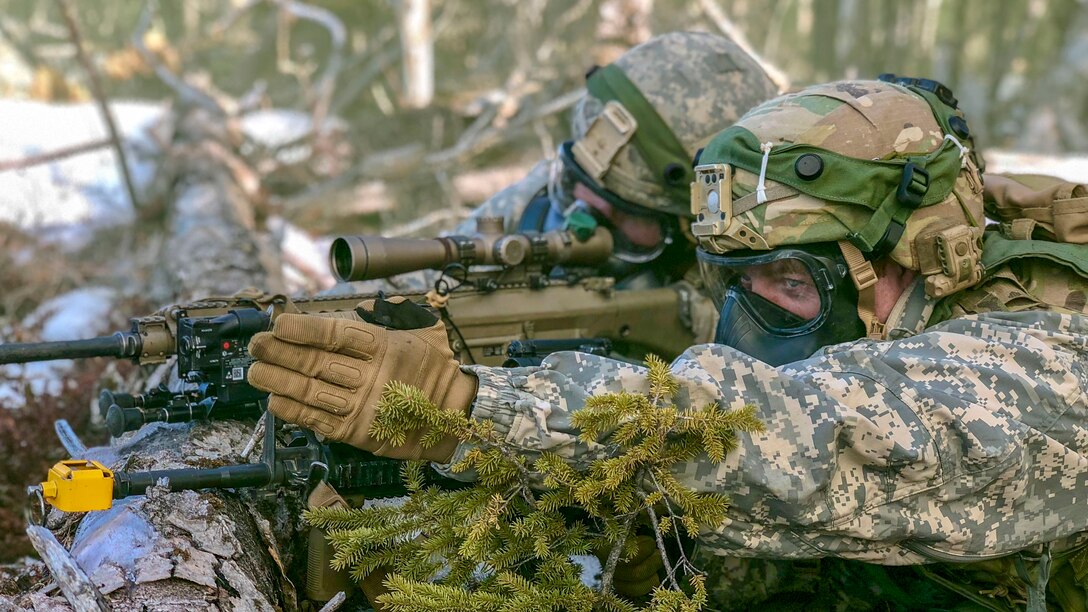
(675, 92)
(881, 169)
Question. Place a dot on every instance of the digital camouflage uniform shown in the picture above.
(962, 436)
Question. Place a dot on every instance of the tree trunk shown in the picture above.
(417, 44)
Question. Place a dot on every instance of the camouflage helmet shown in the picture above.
(646, 115)
(882, 169)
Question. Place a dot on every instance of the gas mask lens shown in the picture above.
(785, 291)
(783, 305)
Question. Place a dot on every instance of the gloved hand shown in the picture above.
(637, 577)
(327, 375)
(373, 587)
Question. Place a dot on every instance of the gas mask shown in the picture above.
(566, 174)
(782, 306)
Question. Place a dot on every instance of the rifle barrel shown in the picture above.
(120, 345)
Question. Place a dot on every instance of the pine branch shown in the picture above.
(505, 543)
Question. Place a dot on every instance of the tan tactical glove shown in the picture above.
(327, 375)
(636, 577)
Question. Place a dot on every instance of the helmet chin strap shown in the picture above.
(864, 277)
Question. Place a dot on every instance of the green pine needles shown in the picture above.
(506, 542)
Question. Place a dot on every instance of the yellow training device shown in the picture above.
(78, 485)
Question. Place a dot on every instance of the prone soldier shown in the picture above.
(628, 164)
(921, 376)
(625, 174)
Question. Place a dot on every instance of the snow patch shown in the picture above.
(305, 258)
(76, 315)
(65, 199)
(276, 127)
(1072, 168)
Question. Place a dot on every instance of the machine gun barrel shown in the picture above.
(119, 345)
(356, 258)
(126, 484)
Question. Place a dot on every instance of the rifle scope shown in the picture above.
(356, 258)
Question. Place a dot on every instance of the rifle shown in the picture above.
(506, 290)
(502, 298)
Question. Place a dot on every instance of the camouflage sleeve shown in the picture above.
(968, 440)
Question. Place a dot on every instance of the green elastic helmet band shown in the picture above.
(893, 188)
(658, 145)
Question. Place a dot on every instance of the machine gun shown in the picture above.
(505, 299)
(492, 289)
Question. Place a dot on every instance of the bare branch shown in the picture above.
(415, 227)
(52, 156)
(338, 38)
(334, 603)
(374, 67)
(711, 9)
(220, 27)
(185, 92)
(672, 513)
(474, 141)
(74, 583)
(18, 43)
(100, 98)
(660, 542)
(608, 573)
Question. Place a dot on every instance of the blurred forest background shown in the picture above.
(501, 69)
(396, 116)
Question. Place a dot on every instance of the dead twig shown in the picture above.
(569, 17)
(396, 162)
(18, 43)
(337, 37)
(476, 141)
(608, 572)
(392, 163)
(416, 227)
(100, 98)
(365, 66)
(334, 603)
(52, 156)
(378, 62)
(185, 92)
(74, 583)
(220, 27)
(661, 550)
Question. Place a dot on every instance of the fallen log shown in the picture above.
(188, 550)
